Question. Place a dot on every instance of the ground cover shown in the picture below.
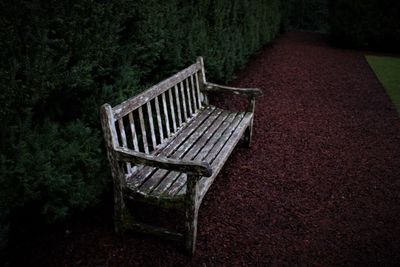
(387, 70)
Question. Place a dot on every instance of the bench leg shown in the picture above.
(248, 134)
(120, 213)
(191, 214)
(120, 221)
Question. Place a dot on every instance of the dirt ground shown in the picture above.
(320, 185)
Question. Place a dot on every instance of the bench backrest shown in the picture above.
(146, 121)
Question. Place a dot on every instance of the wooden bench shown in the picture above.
(167, 144)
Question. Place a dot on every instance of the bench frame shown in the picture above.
(119, 155)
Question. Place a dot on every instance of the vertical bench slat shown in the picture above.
(133, 132)
(198, 89)
(203, 80)
(160, 128)
(189, 98)
(123, 138)
(183, 102)
(171, 103)
(150, 115)
(193, 89)
(122, 132)
(143, 128)
(134, 137)
(166, 114)
(178, 105)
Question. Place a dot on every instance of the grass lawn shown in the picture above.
(387, 69)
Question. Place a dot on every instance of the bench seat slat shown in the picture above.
(212, 140)
(138, 178)
(180, 180)
(225, 152)
(161, 181)
(205, 142)
(187, 131)
(213, 150)
(182, 149)
(187, 144)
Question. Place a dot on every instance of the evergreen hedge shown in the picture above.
(62, 59)
(309, 15)
(366, 23)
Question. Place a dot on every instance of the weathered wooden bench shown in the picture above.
(167, 144)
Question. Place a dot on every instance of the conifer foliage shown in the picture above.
(62, 59)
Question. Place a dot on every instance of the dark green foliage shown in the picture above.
(366, 23)
(62, 59)
(53, 166)
(57, 67)
(310, 15)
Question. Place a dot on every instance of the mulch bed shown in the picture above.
(319, 186)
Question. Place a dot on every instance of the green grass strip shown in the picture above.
(387, 69)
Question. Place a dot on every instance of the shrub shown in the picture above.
(311, 15)
(54, 167)
(62, 59)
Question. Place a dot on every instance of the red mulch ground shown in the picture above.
(320, 185)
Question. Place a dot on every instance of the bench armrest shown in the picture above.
(234, 90)
(250, 92)
(186, 166)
